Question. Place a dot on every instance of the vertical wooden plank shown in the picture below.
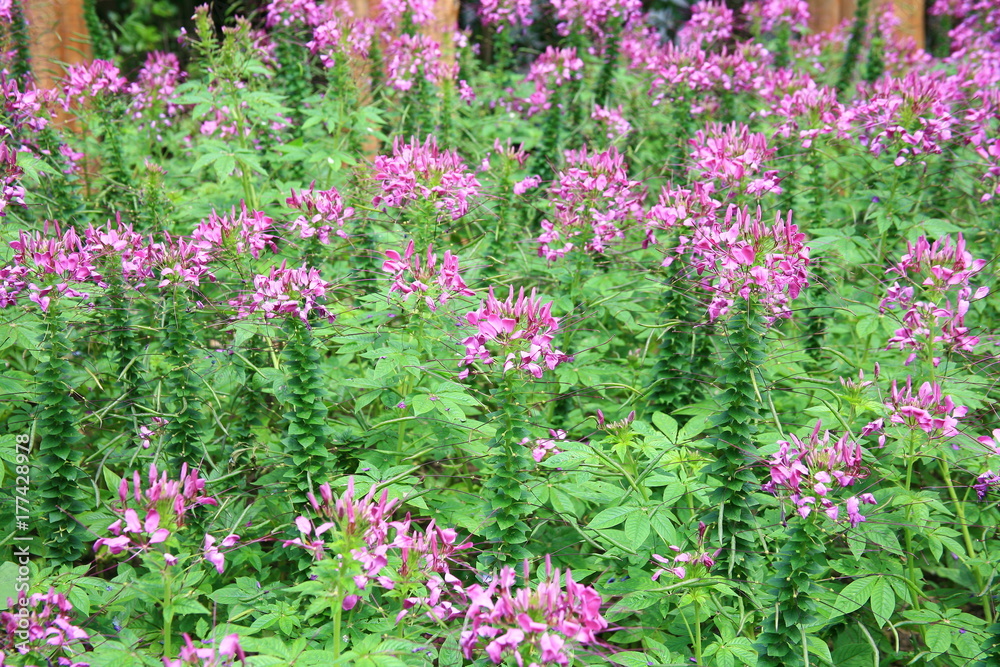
(58, 36)
(828, 14)
(911, 19)
(824, 15)
(444, 26)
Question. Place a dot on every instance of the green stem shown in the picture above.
(911, 566)
(967, 538)
(168, 613)
(697, 632)
(338, 610)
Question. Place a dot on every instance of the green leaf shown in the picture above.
(569, 459)
(883, 601)
(630, 659)
(188, 606)
(867, 325)
(611, 517)
(819, 648)
(661, 523)
(855, 594)
(637, 529)
(693, 427)
(938, 637)
(666, 424)
(743, 649)
(421, 404)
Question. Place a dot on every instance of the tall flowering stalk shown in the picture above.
(125, 261)
(808, 474)
(429, 183)
(520, 331)
(49, 266)
(933, 325)
(594, 200)
(752, 270)
(555, 75)
(149, 519)
(291, 296)
(182, 265)
(362, 555)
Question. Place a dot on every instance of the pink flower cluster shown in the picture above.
(522, 329)
(593, 195)
(341, 38)
(225, 655)
(41, 623)
(324, 212)
(977, 32)
(927, 409)
(155, 89)
(423, 172)
(285, 292)
(679, 565)
(393, 13)
(425, 559)
(87, 81)
(612, 121)
(54, 263)
(743, 258)
(184, 261)
(935, 269)
(118, 250)
(541, 626)
(503, 13)
(10, 191)
(155, 512)
(807, 112)
(911, 115)
(46, 266)
(239, 233)
(542, 448)
(691, 76)
(23, 110)
(809, 471)
(410, 56)
(365, 519)
(942, 264)
(551, 70)
(732, 156)
(410, 276)
(675, 206)
(294, 13)
(774, 13)
(362, 526)
(711, 24)
(594, 16)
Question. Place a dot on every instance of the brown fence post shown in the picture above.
(58, 35)
(828, 14)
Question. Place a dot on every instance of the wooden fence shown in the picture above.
(58, 32)
(828, 14)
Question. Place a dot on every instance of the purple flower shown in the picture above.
(422, 172)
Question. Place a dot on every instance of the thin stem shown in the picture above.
(168, 613)
(338, 610)
(969, 546)
(697, 632)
